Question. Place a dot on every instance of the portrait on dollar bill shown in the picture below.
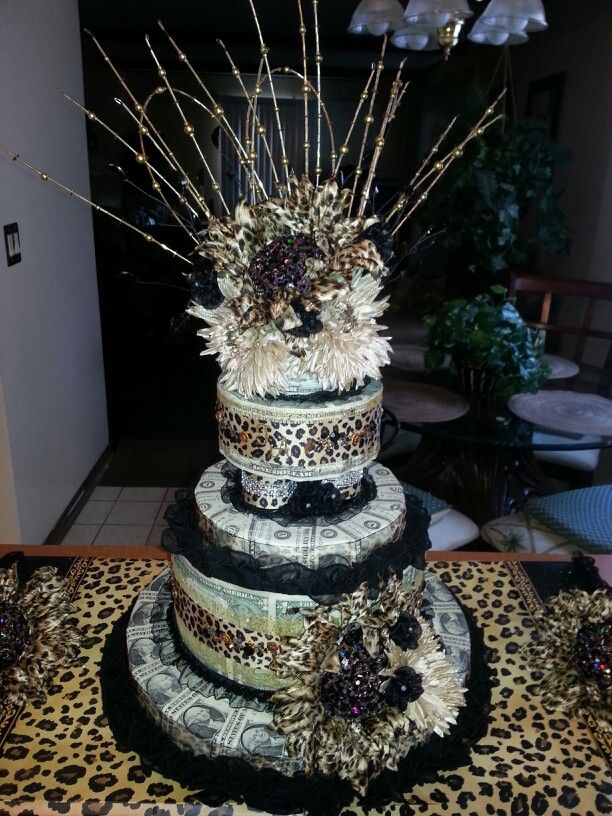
(143, 650)
(258, 739)
(143, 612)
(162, 687)
(203, 720)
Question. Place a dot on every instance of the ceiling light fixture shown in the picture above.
(427, 25)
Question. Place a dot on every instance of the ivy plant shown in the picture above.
(499, 203)
(489, 334)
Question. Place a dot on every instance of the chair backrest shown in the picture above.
(591, 291)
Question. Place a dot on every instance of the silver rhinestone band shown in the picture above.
(280, 489)
(348, 479)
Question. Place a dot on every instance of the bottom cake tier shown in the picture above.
(207, 718)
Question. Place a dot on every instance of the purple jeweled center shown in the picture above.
(354, 691)
(594, 651)
(281, 265)
(14, 634)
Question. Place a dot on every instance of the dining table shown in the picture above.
(64, 755)
(478, 456)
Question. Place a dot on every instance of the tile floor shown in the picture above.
(122, 515)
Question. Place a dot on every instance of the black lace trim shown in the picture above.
(184, 537)
(215, 782)
(296, 512)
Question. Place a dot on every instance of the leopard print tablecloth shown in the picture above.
(61, 758)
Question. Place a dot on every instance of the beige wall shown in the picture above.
(579, 46)
(52, 403)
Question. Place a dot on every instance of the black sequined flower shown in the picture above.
(315, 499)
(281, 265)
(594, 651)
(311, 323)
(204, 285)
(404, 686)
(14, 634)
(406, 632)
(382, 240)
(354, 690)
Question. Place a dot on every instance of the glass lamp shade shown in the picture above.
(537, 18)
(376, 17)
(498, 37)
(435, 14)
(415, 39)
(505, 15)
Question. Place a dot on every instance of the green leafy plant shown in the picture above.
(489, 337)
(499, 203)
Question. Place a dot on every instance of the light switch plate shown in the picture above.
(12, 244)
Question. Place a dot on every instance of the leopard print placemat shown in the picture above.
(60, 757)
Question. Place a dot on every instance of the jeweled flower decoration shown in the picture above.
(301, 281)
(572, 649)
(38, 634)
(357, 700)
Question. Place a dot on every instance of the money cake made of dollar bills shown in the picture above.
(297, 632)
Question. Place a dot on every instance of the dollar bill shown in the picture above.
(152, 630)
(379, 522)
(242, 603)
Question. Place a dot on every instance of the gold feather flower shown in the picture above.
(301, 293)
(359, 695)
(572, 649)
(38, 634)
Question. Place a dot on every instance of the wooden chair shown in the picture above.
(589, 291)
(576, 467)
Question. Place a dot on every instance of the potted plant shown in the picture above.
(501, 206)
(493, 350)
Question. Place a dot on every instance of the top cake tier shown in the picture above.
(300, 439)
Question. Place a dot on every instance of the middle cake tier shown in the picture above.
(373, 520)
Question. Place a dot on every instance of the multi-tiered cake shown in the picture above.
(296, 630)
(292, 622)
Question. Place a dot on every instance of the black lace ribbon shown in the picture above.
(184, 537)
(215, 782)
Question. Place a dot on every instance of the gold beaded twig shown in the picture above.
(188, 128)
(325, 114)
(395, 95)
(433, 150)
(261, 131)
(151, 129)
(318, 61)
(441, 167)
(344, 147)
(141, 157)
(264, 53)
(217, 111)
(475, 131)
(44, 176)
(302, 32)
(93, 117)
(252, 107)
(369, 119)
